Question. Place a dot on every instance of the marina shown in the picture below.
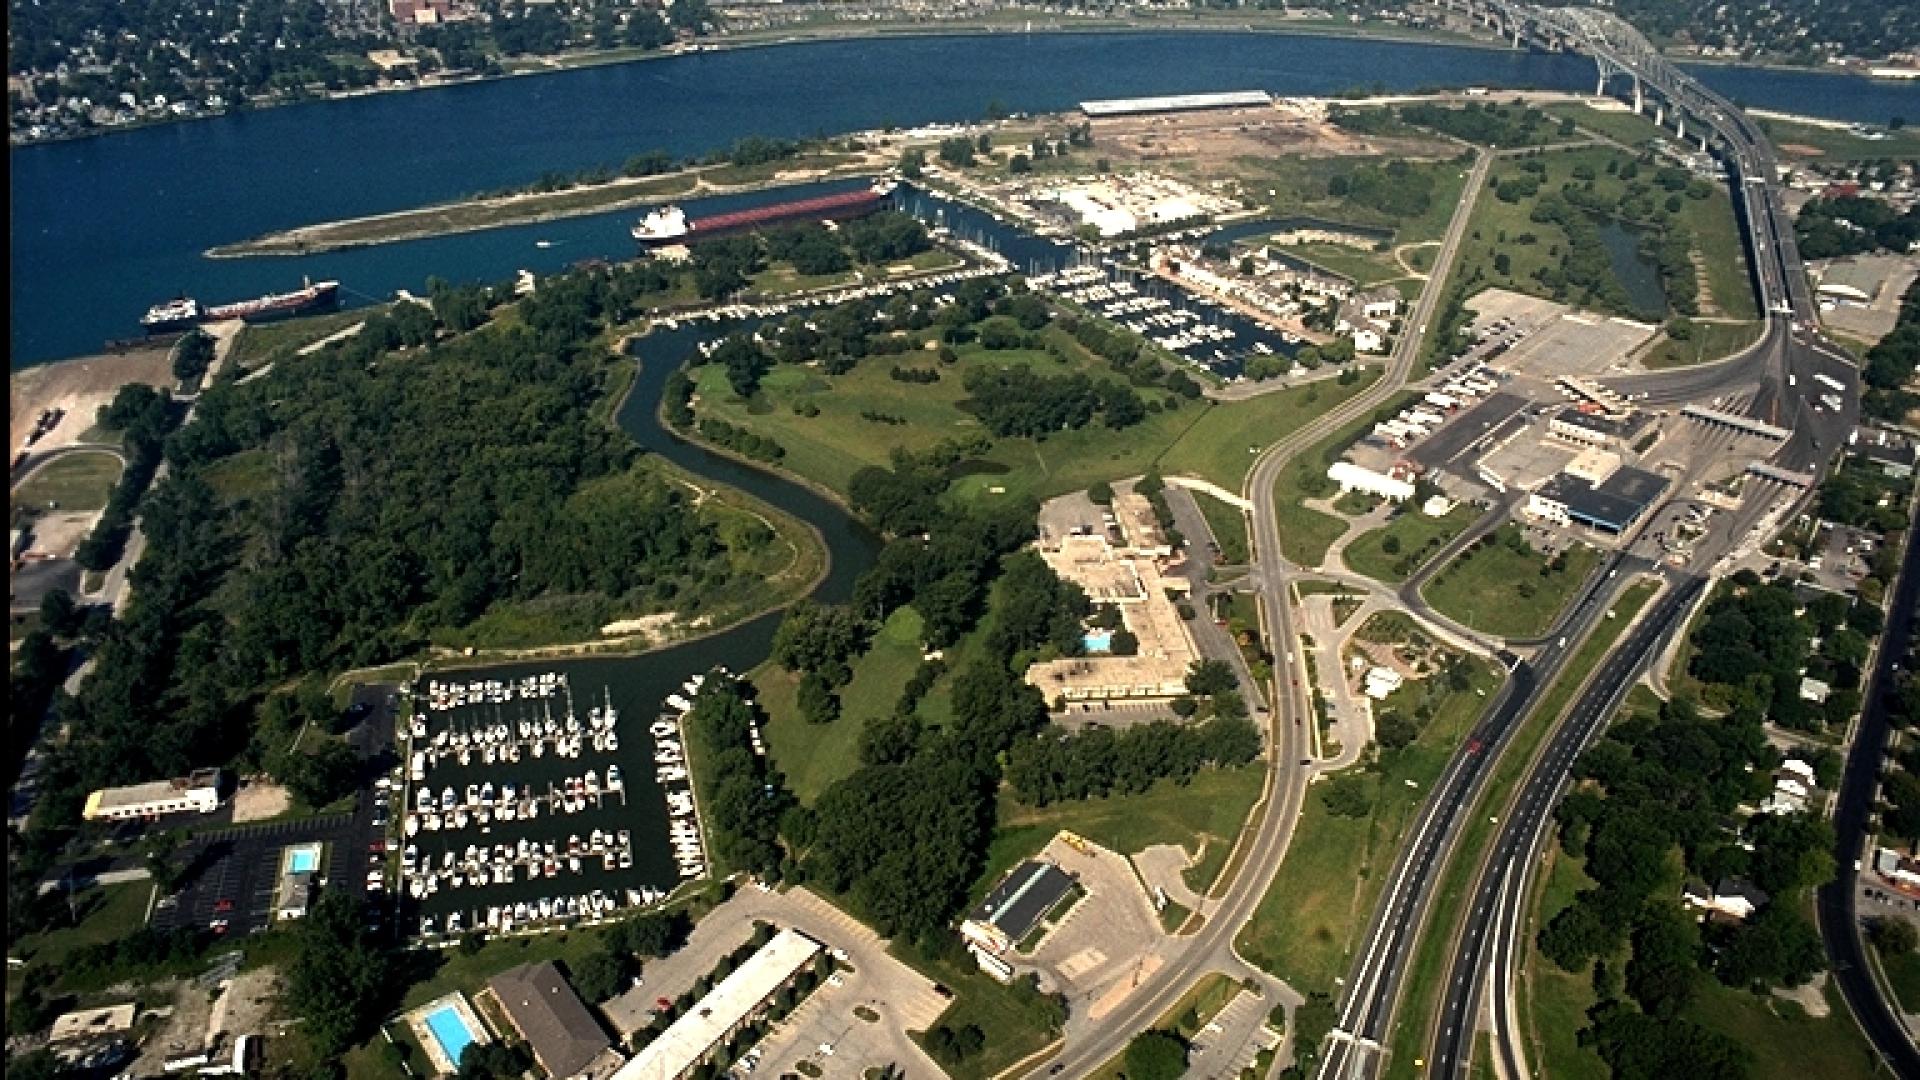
(528, 805)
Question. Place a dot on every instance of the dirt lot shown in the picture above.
(1226, 135)
(80, 387)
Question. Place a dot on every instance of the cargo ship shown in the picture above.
(182, 312)
(671, 225)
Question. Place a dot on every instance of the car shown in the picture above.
(383, 783)
(1306, 761)
(941, 989)
(377, 845)
(1473, 746)
(218, 926)
(223, 904)
(662, 1004)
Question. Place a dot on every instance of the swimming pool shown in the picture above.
(303, 860)
(1099, 641)
(450, 1031)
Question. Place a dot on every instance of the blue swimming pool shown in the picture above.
(1099, 641)
(450, 1032)
(303, 861)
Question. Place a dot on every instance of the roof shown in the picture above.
(296, 891)
(88, 1023)
(713, 1017)
(564, 1035)
(1606, 506)
(1742, 888)
(1016, 905)
(1174, 103)
(153, 791)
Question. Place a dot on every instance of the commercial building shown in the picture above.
(1611, 507)
(704, 1029)
(199, 792)
(1589, 427)
(1015, 906)
(567, 1041)
(1353, 477)
(1382, 681)
(1893, 454)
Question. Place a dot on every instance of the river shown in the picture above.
(104, 227)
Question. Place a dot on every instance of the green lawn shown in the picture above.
(1500, 588)
(1785, 1042)
(1187, 1017)
(77, 483)
(1623, 126)
(257, 344)
(1414, 537)
(815, 755)
(1903, 972)
(1222, 445)
(1559, 999)
(1308, 923)
(782, 279)
(855, 425)
(1305, 534)
(981, 1001)
(1364, 266)
(1228, 526)
(1794, 140)
(106, 913)
(1708, 342)
(1209, 811)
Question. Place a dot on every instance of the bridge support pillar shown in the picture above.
(1680, 125)
(1639, 98)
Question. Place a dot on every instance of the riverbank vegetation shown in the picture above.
(421, 483)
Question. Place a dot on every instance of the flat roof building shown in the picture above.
(566, 1040)
(1016, 905)
(199, 791)
(1353, 477)
(1611, 507)
(1139, 106)
(705, 1028)
(93, 1023)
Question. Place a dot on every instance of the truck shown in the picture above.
(1830, 382)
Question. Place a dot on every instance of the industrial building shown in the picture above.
(1143, 106)
(566, 1040)
(703, 1030)
(1353, 477)
(198, 792)
(1015, 906)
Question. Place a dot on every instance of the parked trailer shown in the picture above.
(1830, 383)
(1441, 401)
(1393, 429)
(1431, 419)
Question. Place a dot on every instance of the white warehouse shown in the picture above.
(1352, 477)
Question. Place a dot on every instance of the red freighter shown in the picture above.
(671, 225)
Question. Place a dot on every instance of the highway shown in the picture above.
(1853, 822)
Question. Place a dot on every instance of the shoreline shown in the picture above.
(565, 62)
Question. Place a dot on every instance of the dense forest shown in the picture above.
(1828, 228)
(350, 508)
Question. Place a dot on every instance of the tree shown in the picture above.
(340, 982)
(818, 703)
(321, 774)
(191, 356)
(1210, 677)
(821, 639)
(58, 613)
(163, 862)
(600, 976)
(1101, 493)
(1156, 1055)
(1893, 936)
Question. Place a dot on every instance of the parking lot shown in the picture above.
(1107, 938)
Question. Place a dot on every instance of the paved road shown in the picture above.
(1212, 948)
(1852, 821)
(1496, 907)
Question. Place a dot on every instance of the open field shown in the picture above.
(1413, 538)
(77, 483)
(1559, 999)
(1435, 946)
(1305, 534)
(1710, 341)
(1785, 1042)
(1209, 811)
(864, 414)
(815, 755)
(1297, 184)
(1797, 140)
(1306, 926)
(257, 344)
(1497, 589)
(984, 1003)
(1229, 528)
(1201, 1003)
(1364, 267)
(107, 913)
(79, 387)
(1903, 974)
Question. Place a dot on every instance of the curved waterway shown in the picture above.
(637, 686)
(104, 227)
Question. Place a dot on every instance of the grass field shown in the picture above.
(1209, 811)
(855, 425)
(256, 344)
(1795, 139)
(1559, 999)
(107, 913)
(815, 755)
(77, 483)
(1229, 528)
(1432, 950)
(1415, 537)
(1903, 973)
(1709, 342)
(1497, 589)
(982, 1002)
(1305, 534)
(1365, 267)
(1306, 926)
(1622, 126)
(1786, 1043)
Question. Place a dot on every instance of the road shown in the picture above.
(1852, 822)
(1288, 772)
(1496, 907)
